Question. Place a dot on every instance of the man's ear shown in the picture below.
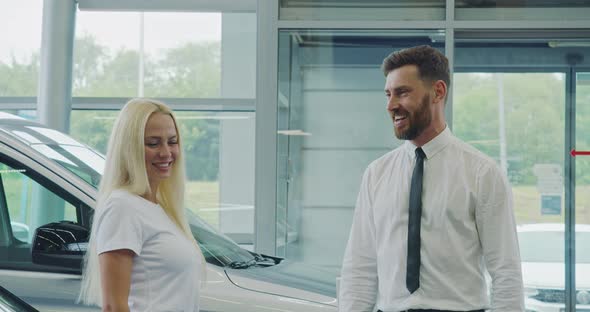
(440, 91)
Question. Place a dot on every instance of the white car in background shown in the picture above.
(543, 267)
(48, 184)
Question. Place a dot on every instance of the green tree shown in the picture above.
(120, 78)
(474, 110)
(89, 61)
(190, 70)
(92, 127)
(201, 145)
(534, 105)
(19, 79)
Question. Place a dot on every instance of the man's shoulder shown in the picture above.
(386, 159)
(469, 152)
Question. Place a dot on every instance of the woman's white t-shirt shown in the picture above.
(166, 266)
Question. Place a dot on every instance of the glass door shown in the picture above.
(582, 187)
(517, 117)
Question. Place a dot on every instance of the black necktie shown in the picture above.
(415, 213)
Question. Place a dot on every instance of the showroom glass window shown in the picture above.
(178, 57)
(19, 50)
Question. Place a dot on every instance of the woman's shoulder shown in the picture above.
(121, 194)
(122, 198)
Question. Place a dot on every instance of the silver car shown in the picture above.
(11, 303)
(48, 185)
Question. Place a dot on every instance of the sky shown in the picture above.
(21, 20)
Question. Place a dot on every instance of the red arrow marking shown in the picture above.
(573, 152)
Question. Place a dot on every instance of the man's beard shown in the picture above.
(417, 121)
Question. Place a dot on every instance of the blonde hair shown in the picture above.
(125, 169)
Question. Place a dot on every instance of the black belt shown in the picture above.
(432, 310)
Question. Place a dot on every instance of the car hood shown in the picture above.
(552, 275)
(289, 279)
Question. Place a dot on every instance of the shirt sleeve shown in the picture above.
(358, 281)
(118, 227)
(497, 232)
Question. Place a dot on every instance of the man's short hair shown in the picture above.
(432, 65)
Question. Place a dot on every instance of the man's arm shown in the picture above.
(358, 283)
(497, 232)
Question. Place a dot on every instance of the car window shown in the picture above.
(28, 201)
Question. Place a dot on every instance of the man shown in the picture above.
(432, 215)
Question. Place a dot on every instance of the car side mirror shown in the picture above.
(60, 244)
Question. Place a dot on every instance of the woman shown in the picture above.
(142, 255)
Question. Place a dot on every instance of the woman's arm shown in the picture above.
(115, 277)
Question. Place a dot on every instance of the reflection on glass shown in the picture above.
(517, 10)
(56, 136)
(332, 122)
(87, 156)
(362, 10)
(29, 139)
(49, 152)
(518, 119)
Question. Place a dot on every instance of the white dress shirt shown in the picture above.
(467, 226)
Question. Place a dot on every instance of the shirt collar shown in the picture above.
(437, 144)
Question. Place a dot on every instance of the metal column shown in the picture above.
(54, 99)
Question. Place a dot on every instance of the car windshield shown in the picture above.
(217, 248)
(548, 246)
(76, 157)
(88, 164)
